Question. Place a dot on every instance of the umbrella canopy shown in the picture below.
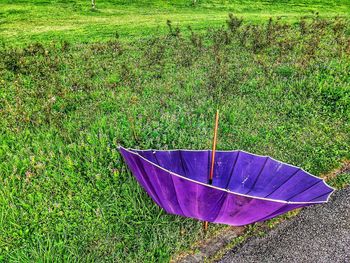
(246, 188)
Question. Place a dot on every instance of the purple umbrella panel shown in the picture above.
(246, 188)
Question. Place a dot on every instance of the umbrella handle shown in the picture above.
(205, 224)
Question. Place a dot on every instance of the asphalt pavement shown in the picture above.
(320, 233)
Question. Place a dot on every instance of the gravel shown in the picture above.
(320, 233)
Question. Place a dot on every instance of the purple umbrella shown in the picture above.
(245, 187)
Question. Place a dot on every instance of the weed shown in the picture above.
(196, 39)
(234, 23)
(175, 32)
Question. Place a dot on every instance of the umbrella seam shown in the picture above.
(307, 188)
(233, 168)
(185, 173)
(151, 185)
(224, 204)
(151, 190)
(320, 196)
(172, 181)
(161, 190)
(256, 179)
(182, 164)
(290, 177)
(177, 199)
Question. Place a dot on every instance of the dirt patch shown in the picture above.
(209, 247)
(344, 168)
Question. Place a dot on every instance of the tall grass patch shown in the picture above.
(65, 194)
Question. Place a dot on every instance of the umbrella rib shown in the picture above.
(155, 157)
(256, 179)
(161, 190)
(172, 181)
(321, 195)
(182, 164)
(233, 168)
(290, 177)
(177, 199)
(304, 190)
(149, 183)
(222, 206)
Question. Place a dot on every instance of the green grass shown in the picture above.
(47, 20)
(65, 194)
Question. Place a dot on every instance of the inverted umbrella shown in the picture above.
(246, 188)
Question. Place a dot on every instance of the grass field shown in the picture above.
(74, 20)
(282, 87)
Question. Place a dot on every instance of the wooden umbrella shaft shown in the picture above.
(214, 147)
(211, 174)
